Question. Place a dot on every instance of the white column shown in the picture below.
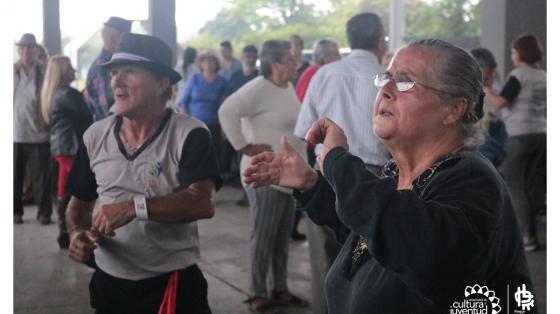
(397, 24)
(503, 20)
(51, 26)
(162, 22)
(493, 31)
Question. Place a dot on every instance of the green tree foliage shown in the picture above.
(254, 21)
(442, 18)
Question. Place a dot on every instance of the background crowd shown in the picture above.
(247, 108)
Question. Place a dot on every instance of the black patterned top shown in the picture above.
(416, 251)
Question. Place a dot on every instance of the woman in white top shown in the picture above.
(253, 118)
(523, 108)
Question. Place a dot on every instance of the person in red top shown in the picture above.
(324, 51)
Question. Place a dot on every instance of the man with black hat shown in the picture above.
(98, 81)
(31, 134)
(153, 173)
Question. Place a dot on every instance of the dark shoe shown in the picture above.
(18, 220)
(531, 247)
(530, 244)
(243, 202)
(287, 298)
(261, 305)
(296, 236)
(44, 220)
(63, 240)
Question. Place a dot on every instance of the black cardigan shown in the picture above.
(455, 228)
(69, 118)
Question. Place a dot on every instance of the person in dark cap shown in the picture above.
(31, 134)
(153, 173)
(98, 88)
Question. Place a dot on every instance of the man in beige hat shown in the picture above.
(31, 134)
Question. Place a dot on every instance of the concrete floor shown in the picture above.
(46, 281)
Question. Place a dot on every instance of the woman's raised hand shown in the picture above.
(325, 131)
(286, 168)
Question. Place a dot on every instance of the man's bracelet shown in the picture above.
(141, 208)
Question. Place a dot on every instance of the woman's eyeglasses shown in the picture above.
(403, 84)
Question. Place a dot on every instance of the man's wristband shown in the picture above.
(141, 208)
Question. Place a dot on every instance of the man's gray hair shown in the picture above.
(322, 49)
(459, 76)
(272, 51)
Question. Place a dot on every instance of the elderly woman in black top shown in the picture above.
(437, 227)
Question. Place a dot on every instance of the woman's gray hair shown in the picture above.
(272, 51)
(459, 76)
(322, 49)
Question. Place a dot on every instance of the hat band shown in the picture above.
(128, 56)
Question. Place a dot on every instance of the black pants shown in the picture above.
(112, 295)
(216, 132)
(39, 158)
(525, 174)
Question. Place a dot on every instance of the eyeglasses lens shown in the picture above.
(381, 80)
(404, 86)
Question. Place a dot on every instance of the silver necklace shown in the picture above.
(129, 148)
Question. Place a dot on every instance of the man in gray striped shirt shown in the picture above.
(152, 173)
(344, 92)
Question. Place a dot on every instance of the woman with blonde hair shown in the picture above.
(68, 116)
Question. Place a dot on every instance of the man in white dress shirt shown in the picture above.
(344, 92)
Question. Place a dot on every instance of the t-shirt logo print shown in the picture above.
(155, 171)
(478, 300)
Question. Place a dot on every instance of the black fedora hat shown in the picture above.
(145, 51)
(27, 39)
(119, 23)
